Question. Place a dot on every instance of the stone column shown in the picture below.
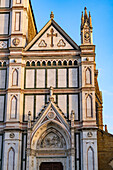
(29, 141)
(72, 141)
(89, 149)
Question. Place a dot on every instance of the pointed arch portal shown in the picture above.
(51, 139)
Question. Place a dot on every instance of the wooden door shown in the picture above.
(51, 166)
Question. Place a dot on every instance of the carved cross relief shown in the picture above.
(52, 35)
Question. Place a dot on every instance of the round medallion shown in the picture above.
(12, 135)
(16, 41)
(51, 115)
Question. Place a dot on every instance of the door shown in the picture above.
(51, 166)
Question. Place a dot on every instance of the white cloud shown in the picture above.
(107, 92)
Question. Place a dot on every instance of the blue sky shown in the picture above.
(68, 16)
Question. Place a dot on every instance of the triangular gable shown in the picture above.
(51, 37)
(51, 113)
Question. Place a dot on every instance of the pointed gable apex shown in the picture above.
(51, 37)
(51, 113)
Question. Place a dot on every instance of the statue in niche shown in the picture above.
(53, 141)
(51, 98)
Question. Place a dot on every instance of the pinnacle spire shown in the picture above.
(85, 15)
(51, 15)
(82, 19)
(86, 28)
(90, 20)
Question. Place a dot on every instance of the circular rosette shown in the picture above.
(51, 115)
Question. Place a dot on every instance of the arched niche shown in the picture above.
(65, 63)
(13, 111)
(15, 77)
(89, 109)
(88, 76)
(90, 159)
(33, 63)
(49, 63)
(27, 63)
(50, 128)
(11, 159)
(38, 63)
(43, 63)
(54, 63)
(70, 62)
(75, 62)
(4, 64)
(51, 139)
(59, 63)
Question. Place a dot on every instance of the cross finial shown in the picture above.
(51, 15)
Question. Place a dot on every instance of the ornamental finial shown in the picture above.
(51, 15)
(85, 15)
(90, 20)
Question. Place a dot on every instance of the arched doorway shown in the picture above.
(51, 144)
(51, 166)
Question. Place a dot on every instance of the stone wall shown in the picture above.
(105, 150)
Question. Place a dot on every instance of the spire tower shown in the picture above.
(86, 28)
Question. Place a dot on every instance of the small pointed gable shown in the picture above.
(51, 37)
(51, 112)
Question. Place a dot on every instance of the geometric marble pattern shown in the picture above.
(3, 44)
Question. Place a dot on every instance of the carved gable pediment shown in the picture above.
(51, 113)
(51, 37)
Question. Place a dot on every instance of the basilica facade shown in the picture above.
(50, 102)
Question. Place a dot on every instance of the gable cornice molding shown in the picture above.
(60, 30)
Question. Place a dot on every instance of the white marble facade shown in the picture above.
(47, 96)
